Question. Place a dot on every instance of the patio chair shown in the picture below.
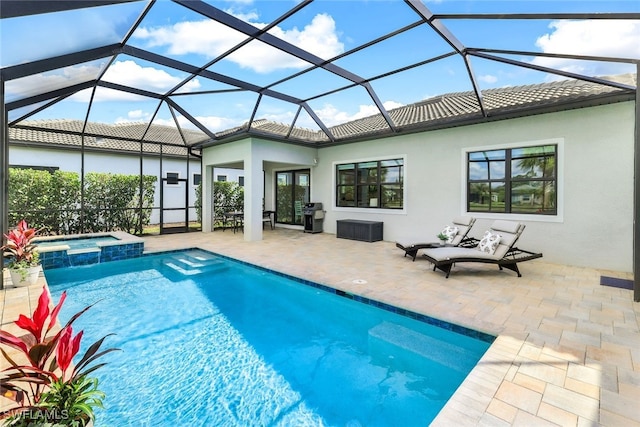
(457, 232)
(496, 247)
(268, 218)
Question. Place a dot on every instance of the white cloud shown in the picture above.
(52, 80)
(126, 73)
(285, 117)
(319, 37)
(207, 38)
(488, 78)
(613, 38)
(213, 123)
(129, 73)
(331, 116)
(390, 105)
(137, 115)
(164, 122)
(134, 116)
(210, 39)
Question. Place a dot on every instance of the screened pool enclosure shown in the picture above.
(160, 81)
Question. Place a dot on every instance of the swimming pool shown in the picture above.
(211, 341)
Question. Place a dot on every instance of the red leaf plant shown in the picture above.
(49, 358)
(20, 248)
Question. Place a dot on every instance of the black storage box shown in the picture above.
(354, 229)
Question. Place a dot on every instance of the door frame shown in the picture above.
(292, 214)
(171, 181)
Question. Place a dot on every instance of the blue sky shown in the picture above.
(327, 29)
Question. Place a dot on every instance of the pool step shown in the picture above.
(388, 338)
(193, 263)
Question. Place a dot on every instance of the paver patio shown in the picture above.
(567, 350)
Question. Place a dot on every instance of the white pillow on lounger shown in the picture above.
(450, 232)
(489, 242)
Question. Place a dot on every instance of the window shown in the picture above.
(197, 179)
(241, 181)
(372, 184)
(173, 178)
(221, 178)
(513, 180)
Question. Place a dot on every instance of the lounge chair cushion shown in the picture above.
(464, 223)
(489, 242)
(507, 226)
(510, 232)
(443, 254)
(464, 220)
(450, 232)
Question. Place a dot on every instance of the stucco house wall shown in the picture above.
(595, 181)
(259, 159)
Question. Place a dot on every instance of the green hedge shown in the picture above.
(227, 196)
(51, 201)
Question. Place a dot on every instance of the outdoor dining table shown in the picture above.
(236, 217)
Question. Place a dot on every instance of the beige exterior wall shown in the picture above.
(595, 196)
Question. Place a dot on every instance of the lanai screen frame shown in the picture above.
(16, 8)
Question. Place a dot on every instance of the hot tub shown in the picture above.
(84, 249)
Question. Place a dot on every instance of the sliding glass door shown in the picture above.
(292, 192)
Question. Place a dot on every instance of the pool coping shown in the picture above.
(123, 246)
(122, 237)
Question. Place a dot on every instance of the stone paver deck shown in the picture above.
(567, 350)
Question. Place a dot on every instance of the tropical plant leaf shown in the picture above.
(40, 353)
(90, 355)
(13, 341)
(8, 358)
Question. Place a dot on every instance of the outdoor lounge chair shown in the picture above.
(463, 225)
(496, 247)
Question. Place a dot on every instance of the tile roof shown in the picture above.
(457, 108)
(453, 109)
(100, 136)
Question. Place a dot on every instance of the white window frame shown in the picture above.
(560, 167)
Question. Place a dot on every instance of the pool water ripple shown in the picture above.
(242, 347)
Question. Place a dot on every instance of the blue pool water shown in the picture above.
(79, 243)
(209, 341)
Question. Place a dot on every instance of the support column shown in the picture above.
(253, 193)
(4, 174)
(207, 198)
(636, 196)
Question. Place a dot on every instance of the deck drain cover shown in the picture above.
(359, 281)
